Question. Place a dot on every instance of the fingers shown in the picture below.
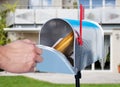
(38, 59)
(32, 69)
(31, 66)
(38, 50)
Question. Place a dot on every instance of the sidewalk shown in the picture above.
(87, 77)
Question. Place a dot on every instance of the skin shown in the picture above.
(19, 56)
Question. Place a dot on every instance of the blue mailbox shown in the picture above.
(76, 57)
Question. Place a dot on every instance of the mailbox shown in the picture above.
(70, 57)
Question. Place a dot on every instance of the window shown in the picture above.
(98, 3)
(35, 4)
(85, 3)
(103, 64)
(110, 2)
(47, 2)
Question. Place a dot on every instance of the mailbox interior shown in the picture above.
(53, 31)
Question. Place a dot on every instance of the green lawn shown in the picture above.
(21, 81)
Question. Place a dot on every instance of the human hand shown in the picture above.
(19, 56)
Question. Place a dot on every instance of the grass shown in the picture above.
(21, 81)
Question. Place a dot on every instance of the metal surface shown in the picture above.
(54, 61)
(82, 56)
(52, 31)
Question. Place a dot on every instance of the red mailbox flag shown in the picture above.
(80, 41)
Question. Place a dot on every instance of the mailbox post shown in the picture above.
(77, 79)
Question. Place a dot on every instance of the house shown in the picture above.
(30, 15)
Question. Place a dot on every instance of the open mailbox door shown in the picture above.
(61, 51)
